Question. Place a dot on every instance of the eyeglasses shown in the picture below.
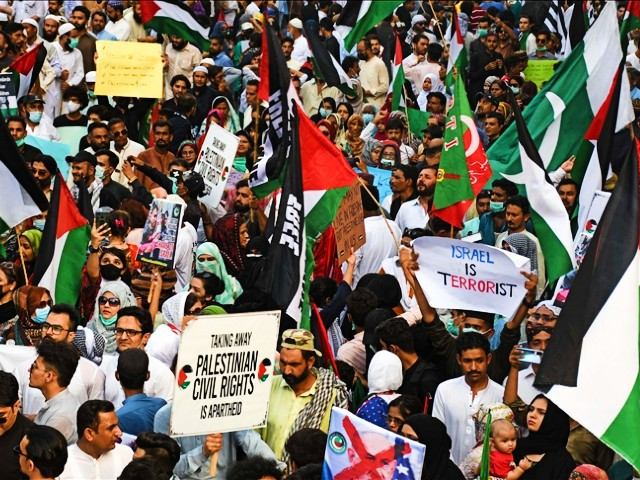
(34, 366)
(36, 171)
(17, 451)
(128, 331)
(123, 132)
(394, 420)
(56, 329)
(541, 316)
(541, 40)
(45, 303)
(113, 302)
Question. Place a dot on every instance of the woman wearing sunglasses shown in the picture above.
(33, 305)
(112, 296)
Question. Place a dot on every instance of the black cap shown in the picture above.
(83, 156)
(29, 99)
(327, 24)
(489, 97)
(193, 182)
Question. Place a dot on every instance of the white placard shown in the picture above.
(215, 161)
(470, 276)
(225, 367)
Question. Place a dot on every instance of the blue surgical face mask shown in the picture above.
(41, 314)
(496, 207)
(515, 90)
(368, 118)
(35, 117)
(469, 329)
(109, 321)
(39, 224)
(100, 172)
(324, 113)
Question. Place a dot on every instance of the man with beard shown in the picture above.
(246, 202)
(374, 76)
(44, 168)
(117, 25)
(17, 36)
(403, 187)
(487, 103)
(98, 24)
(202, 92)
(85, 42)
(122, 146)
(98, 137)
(83, 169)
(18, 130)
(303, 395)
(217, 53)
(180, 59)
(159, 155)
(112, 193)
(138, 33)
(415, 213)
(70, 59)
(568, 191)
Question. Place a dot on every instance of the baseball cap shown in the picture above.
(29, 99)
(299, 339)
(193, 182)
(488, 96)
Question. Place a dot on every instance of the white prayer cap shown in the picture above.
(31, 22)
(200, 68)
(246, 26)
(296, 23)
(65, 28)
(90, 77)
(55, 18)
(207, 61)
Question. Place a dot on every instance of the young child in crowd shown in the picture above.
(503, 443)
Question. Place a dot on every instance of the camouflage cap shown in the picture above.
(299, 339)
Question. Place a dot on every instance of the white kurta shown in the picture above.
(109, 465)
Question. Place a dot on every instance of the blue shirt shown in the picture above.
(104, 35)
(223, 60)
(137, 413)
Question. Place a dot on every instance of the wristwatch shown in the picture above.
(92, 249)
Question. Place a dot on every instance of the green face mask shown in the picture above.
(106, 322)
(482, 32)
(20, 142)
(73, 42)
(541, 49)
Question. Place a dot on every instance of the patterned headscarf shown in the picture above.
(226, 235)
(524, 246)
(499, 411)
(35, 238)
(588, 472)
(26, 299)
(127, 299)
(232, 288)
(233, 121)
(370, 145)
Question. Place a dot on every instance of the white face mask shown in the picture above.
(72, 106)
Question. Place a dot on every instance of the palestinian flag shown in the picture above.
(457, 50)
(549, 217)
(592, 360)
(26, 69)
(174, 18)
(360, 16)
(464, 169)
(65, 238)
(631, 22)
(576, 19)
(601, 134)
(23, 197)
(316, 180)
(275, 88)
(397, 79)
(568, 103)
(325, 65)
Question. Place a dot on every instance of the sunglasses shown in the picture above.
(541, 40)
(39, 172)
(394, 420)
(120, 132)
(545, 318)
(113, 302)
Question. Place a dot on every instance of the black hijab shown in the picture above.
(433, 434)
(552, 435)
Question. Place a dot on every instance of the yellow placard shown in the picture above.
(540, 71)
(129, 69)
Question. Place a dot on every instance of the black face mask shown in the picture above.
(110, 272)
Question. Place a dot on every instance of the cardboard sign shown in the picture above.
(470, 276)
(160, 235)
(215, 161)
(225, 367)
(8, 100)
(540, 71)
(349, 223)
(129, 69)
(356, 447)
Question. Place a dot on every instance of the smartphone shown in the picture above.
(531, 355)
(102, 214)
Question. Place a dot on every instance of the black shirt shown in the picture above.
(8, 458)
(112, 195)
(64, 121)
(420, 380)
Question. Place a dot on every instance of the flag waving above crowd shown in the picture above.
(319, 240)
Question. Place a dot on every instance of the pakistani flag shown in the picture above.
(275, 88)
(324, 64)
(174, 18)
(22, 196)
(549, 217)
(464, 169)
(316, 180)
(62, 255)
(360, 16)
(457, 50)
(592, 360)
(568, 103)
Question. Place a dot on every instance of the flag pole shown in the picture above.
(386, 221)
(24, 268)
(434, 17)
(406, 111)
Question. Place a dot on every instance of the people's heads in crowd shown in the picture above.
(297, 356)
(133, 328)
(9, 401)
(42, 452)
(255, 468)
(158, 448)
(44, 168)
(54, 366)
(61, 323)
(568, 191)
(306, 446)
(473, 356)
(97, 426)
(401, 408)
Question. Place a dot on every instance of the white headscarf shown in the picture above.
(422, 97)
(385, 372)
